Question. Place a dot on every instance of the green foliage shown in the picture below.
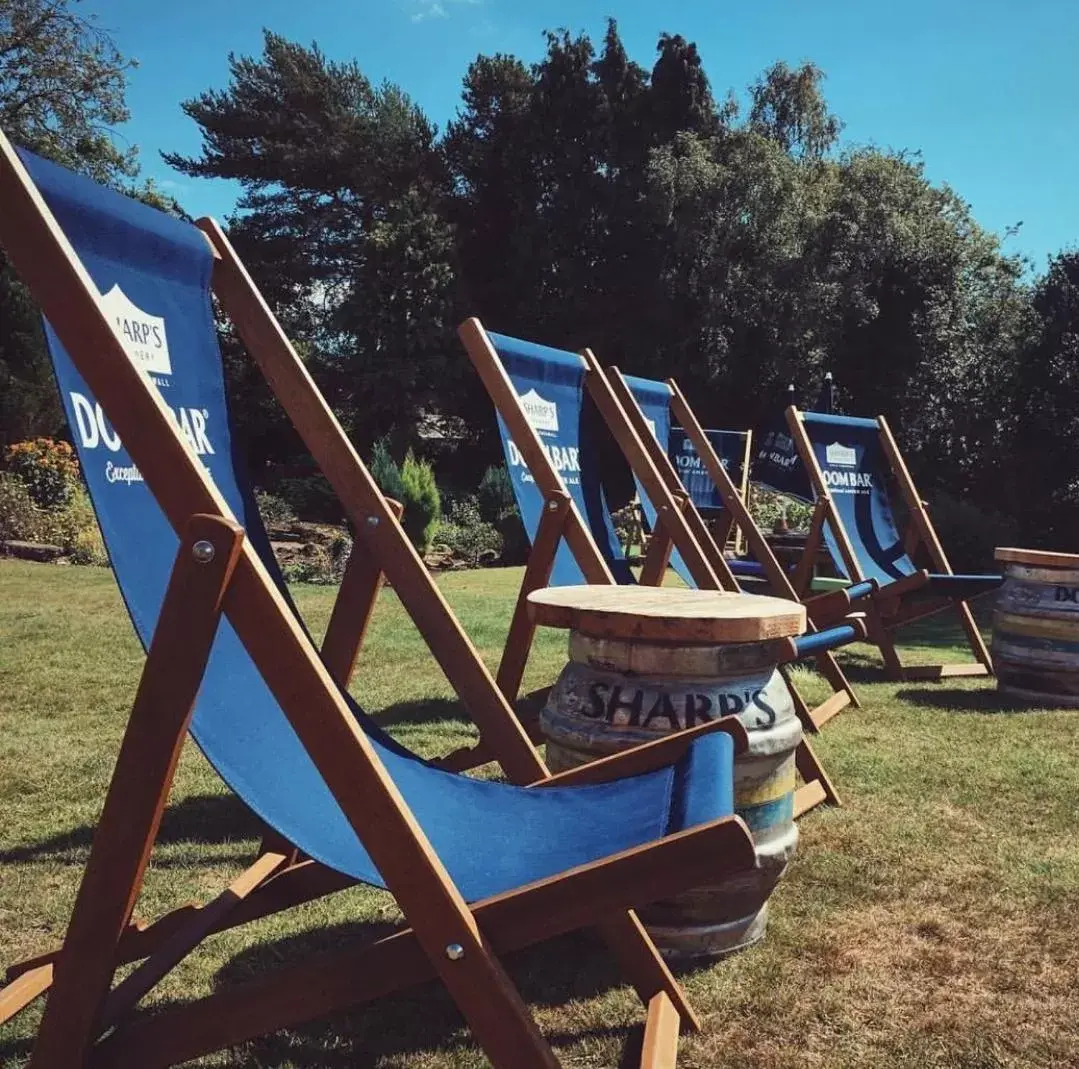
(495, 494)
(770, 509)
(311, 498)
(274, 509)
(421, 499)
(385, 471)
(969, 534)
(467, 535)
(47, 468)
(72, 525)
(320, 565)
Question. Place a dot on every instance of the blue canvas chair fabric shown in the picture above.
(730, 447)
(550, 384)
(854, 463)
(153, 276)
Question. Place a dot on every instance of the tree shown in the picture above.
(341, 225)
(789, 107)
(62, 83)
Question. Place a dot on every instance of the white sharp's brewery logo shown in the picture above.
(142, 335)
(842, 456)
(542, 414)
(144, 340)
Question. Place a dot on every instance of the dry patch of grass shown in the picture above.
(931, 922)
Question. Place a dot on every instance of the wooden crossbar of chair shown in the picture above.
(885, 608)
(229, 579)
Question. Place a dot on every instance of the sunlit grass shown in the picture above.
(932, 921)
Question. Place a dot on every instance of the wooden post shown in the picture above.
(354, 604)
(139, 789)
(541, 560)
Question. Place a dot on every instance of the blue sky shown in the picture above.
(988, 90)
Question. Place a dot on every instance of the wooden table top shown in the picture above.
(666, 614)
(1037, 558)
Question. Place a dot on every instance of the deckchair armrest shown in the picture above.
(827, 608)
(907, 585)
(822, 641)
(647, 757)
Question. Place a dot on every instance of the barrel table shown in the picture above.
(646, 661)
(1036, 627)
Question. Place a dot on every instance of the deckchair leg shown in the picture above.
(660, 1047)
(522, 631)
(137, 794)
(817, 787)
(828, 667)
(658, 555)
(354, 605)
(977, 643)
(643, 966)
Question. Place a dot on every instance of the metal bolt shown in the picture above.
(372, 521)
(455, 952)
(552, 506)
(203, 551)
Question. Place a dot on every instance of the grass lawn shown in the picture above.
(933, 921)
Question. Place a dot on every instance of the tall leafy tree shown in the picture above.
(340, 224)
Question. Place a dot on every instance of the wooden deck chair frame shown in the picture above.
(218, 572)
(677, 526)
(886, 608)
(739, 517)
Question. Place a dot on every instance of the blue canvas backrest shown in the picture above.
(776, 463)
(856, 471)
(654, 399)
(153, 273)
(729, 446)
(550, 386)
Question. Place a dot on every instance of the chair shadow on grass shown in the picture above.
(422, 1019)
(205, 819)
(952, 700)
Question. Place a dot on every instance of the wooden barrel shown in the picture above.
(615, 693)
(1036, 627)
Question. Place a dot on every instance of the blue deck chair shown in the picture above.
(477, 867)
(651, 406)
(851, 463)
(550, 449)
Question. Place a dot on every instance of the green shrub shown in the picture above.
(274, 509)
(768, 508)
(467, 535)
(318, 564)
(385, 471)
(48, 469)
(423, 504)
(311, 498)
(73, 526)
(970, 534)
(495, 495)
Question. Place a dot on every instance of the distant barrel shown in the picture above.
(1036, 627)
(616, 693)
